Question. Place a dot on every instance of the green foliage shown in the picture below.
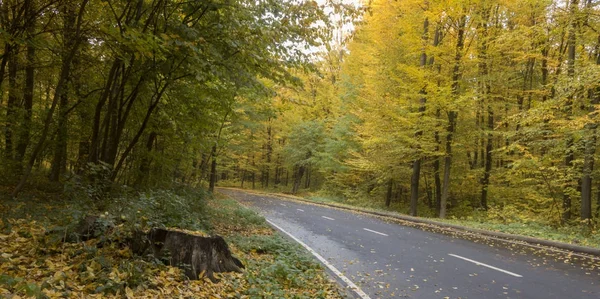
(305, 144)
(235, 215)
(104, 266)
(293, 267)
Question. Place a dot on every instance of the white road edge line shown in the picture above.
(301, 210)
(369, 230)
(337, 272)
(328, 218)
(485, 265)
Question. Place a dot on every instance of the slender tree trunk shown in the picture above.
(213, 169)
(11, 105)
(253, 174)
(570, 154)
(586, 180)
(416, 169)
(308, 177)
(153, 105)
(488, 160)
(485, 93)
(590, 150)
(144, 170)
(428, 192)
(268, 155)
(243, 178)
(203, 166)
(96, 125)
(59, 162)
(390, 189)
(24, 138)
(436, 170)
(452, 115)
(58, 91)
(414, 187)
(5, 58)
(298, 179)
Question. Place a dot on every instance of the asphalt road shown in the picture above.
(389, 260)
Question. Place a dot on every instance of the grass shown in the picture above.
(34, 262)
(573, 234)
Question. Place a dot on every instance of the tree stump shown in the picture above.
(193, 254)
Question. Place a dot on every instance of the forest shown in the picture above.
(481, 109)
(134, 111)
(114, 115)
(438, 108)
(136, 90)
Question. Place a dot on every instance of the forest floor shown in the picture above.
(573, 234)
(34, 262)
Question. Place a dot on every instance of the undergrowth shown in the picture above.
(35, 262)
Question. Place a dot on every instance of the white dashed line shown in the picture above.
(327, 218)
(375, 232)
(485, 265)
(301, 210)
(337, 272)
(283, 205)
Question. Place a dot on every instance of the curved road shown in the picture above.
(389, 260)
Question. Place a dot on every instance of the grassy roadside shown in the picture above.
(568, 234)
(34, 263)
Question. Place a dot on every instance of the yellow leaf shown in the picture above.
(128, 292)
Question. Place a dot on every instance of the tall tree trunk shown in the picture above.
(452, 115)
(24, 137)
(153, 104)
(590, 150)
(213, 169)
(58, 91)
(308, 178)
(436, 168)
(243, 178)
(416, 169)
(11, 105)
(569, 151)
(388, 196)
(144, 170)
(414, 187)
(253, 176)
(269, 149)
(59, 162)
(485, 93)
(298, 179)
(94, 151)
(488, 160)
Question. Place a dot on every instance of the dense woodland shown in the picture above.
(443, 108)
(138, 92)
(435, 108)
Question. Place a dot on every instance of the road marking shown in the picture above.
(369, 230)
(337, 272)
(327, 218)
(485, 265)
(283, 205)
(301, 210)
